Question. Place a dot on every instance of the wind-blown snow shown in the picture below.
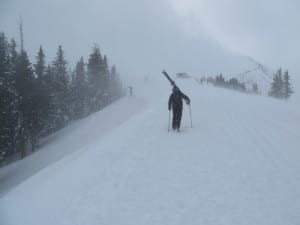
(239, 164)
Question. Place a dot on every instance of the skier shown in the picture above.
(175, 102)
(130, 90)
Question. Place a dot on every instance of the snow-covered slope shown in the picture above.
(255, 73)
(239, 164)
(74, 137)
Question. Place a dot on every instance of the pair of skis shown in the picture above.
(169, 79)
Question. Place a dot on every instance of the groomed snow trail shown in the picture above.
(239, 164)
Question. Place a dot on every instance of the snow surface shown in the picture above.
(238, 165)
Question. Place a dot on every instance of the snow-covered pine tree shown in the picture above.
(115, 85)
(25, 82)
(61, 86)
(106, 96)
(9, 112)
(255, 88)
(276, 90)
(95, 80)
(287, 89)
(54, 116)
(42, 96)
(80, 90)
(40, 66)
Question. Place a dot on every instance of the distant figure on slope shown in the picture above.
(130, 90)
(175, 102)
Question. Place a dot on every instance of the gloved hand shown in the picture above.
(187, 101)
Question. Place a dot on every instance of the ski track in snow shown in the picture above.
(239, 164)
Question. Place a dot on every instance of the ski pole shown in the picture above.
(169, 120)
(191, 116)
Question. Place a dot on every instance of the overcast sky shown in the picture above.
(264, 29)
(143, 37)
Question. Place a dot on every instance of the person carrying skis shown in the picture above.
(175, 102)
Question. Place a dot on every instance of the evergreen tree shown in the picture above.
(106, 97)
(40, 66)
(8, 101)
(25, 89)
(274, 86)
(115, 85)
(255, 88)
(280, 84)
(4, 56)
(41, 95)
(80, 90)
(243, 87)
(105, 66)
(61, 80)
(220, 80)
(13, 55)
(233, 83)
(55, 116)
(277, 85)
(95, 80)
(113, 72)
(287, 90)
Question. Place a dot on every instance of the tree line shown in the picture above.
(39, 99)
(280, 87)
(232, 83)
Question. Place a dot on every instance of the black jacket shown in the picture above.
(175, 100)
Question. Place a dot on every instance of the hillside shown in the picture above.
(239, 164)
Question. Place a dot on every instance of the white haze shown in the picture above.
(267, 30)
(143, 37)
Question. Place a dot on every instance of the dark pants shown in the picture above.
(177, 113)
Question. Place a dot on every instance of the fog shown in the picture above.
(266, 30)
(144, 37)
(234, 140)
